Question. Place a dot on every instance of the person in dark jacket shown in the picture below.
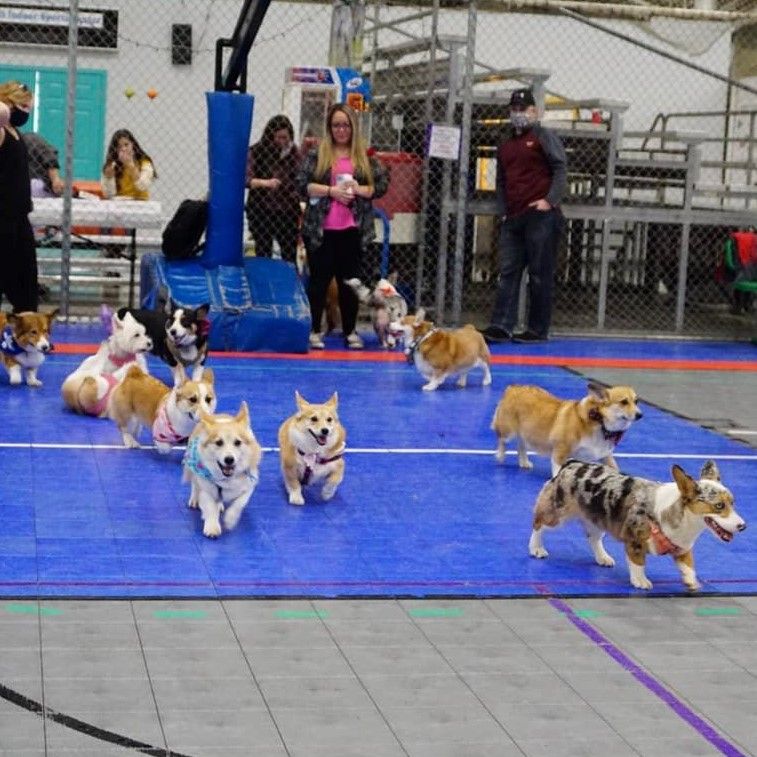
(44, 168)
(531, 180)
(273, 202)
(18, 253)
(340, 180)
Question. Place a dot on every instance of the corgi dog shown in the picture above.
(647, 516)
(179, 336)
(221, 464)
(387, 307)
(590, 427)
(311, 447)
(141, 400)
(24, 343)
(439, 353)
(87, 390)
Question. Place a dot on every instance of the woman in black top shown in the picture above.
(18, 254)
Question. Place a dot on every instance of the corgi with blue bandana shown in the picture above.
(221, 464)
(649, 517)
(24, 344)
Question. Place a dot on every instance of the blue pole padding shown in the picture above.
(229, 123)
(384, 218)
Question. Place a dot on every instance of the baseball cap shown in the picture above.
(522, 98)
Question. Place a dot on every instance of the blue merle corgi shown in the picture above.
(649, 517)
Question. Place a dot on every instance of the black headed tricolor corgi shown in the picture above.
(24, 343)
(649, 517)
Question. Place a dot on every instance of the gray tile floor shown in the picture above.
(453, 678)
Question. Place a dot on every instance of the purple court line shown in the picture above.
(652, 684)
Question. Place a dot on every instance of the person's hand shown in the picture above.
(57, 185)
(110, 170)
(541, 205)
(343, 193)
(126, 156)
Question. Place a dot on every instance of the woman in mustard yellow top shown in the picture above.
(128, 169)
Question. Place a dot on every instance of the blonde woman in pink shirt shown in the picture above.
(339, 181)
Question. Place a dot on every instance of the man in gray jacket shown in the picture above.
(531, 179)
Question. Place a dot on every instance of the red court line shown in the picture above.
(657, 364)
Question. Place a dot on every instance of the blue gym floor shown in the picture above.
(424, 509)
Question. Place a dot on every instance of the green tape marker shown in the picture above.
(181, 614)
(300, 614)
(712, 611)
(587, 613)
(436, 612)
(19, 609)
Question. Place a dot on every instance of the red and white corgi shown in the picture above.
(24, 343)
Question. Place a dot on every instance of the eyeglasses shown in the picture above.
(341, 126)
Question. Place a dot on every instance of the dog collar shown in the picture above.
(192, 461)
(415, 344)
(162, 428)
(102, 404)
(120, 362)
(8, 344)
(613, 437)
(311, 459)
(662, 544)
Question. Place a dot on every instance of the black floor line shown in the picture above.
(79, 725)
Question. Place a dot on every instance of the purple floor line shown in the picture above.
(682, 710)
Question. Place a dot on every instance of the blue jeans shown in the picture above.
(528, 241)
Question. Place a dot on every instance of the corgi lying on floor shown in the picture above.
(221, 464)
(439, 353)
(24, 343)
(590, 427)
(87, 390)
(171, 414)
(311, 447)
(647, 516)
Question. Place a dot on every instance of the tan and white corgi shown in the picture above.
(588, 428)
(221, 464)
(311, 447)
(440, 353)
(24, 343)
(87, 390)
(141, 400)
(647, 516)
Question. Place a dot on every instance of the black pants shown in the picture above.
(528, 241)
(18, 264)
(339, 256)
(265, 227)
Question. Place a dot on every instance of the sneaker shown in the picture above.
(353, 341)
(528, 337)
(316, 342)
(496, 334)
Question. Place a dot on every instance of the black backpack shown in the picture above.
(181, 237)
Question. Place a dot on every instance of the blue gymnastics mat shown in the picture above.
(424, 509)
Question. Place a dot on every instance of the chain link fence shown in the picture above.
(656, 106)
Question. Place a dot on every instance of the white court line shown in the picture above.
(393, 451)
(740, 432)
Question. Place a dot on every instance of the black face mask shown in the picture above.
(19, 117)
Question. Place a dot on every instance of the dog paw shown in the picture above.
(193, 504)
(33, 382)
(462, 382)
(487, 380)
(15, 380)
(693, 585)
(163, 448)
(539, 552)
(641, 582)
(328, 491)
(211, 529)
(526, 464)
(430, 387)
(296, 498)
(499, 456)
(131, 442)
(606, 561)
(231, 518)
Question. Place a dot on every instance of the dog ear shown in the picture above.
(51, 318)
(300, 400)
(243, 416)
(393, 277)
(207, 376)
(686, 484)
(333, 401)
(12, 318)
(202, 311)
(710, 471)
(420, 316)
(598, 391)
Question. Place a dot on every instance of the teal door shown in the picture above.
(48, 116)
